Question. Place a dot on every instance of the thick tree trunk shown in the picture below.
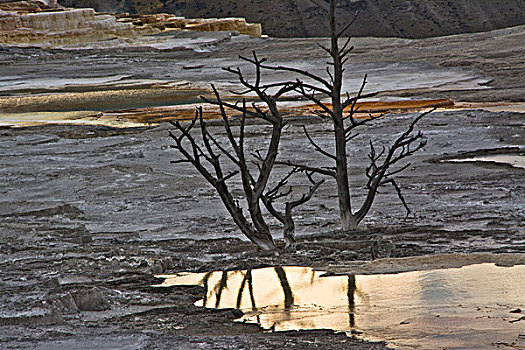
(257, 218)
(261, 238)
(341, 176)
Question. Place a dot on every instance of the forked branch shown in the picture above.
(286, 218)
(380, 172)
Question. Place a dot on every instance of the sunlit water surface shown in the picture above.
(517, 161)
(478, 306)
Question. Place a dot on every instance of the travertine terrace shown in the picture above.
(34, 23)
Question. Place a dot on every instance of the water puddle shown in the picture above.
(478, 306)
(515, 160)
(66, 118)
(13, 84)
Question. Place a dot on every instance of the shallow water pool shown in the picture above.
(514, 160)
(478, 306)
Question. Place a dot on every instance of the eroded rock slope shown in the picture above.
(307, 18)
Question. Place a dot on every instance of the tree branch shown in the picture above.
(323, 171)
(317, 147)
(291, 69)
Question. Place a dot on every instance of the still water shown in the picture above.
(478, 306)
(517, 161)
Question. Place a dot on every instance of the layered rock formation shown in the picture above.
(34, 22)
(59, 27)
(307, 18)
(163, 21)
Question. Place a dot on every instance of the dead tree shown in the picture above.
(209, 156)
(341, 111)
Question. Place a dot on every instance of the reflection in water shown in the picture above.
(351, 300)
(425, 309)
(435, 288)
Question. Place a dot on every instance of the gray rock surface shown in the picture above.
(307, 18)
(90, 300)
(100, 209)
(147, 217)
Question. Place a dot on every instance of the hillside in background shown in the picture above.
(307, 18)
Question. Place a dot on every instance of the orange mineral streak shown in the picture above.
(364, 110)
(114, 108)
(187, 112)
(412, 105)
(156, 115)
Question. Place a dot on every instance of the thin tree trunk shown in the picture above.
(258, 220)
(289, 228)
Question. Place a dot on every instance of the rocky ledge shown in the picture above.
(35, 23)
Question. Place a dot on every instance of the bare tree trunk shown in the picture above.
(254, 199)
(379, 171)
(287, 219)
(289, 228)
(341, 174)
(205, 154)
(260, 236)
(341, 177)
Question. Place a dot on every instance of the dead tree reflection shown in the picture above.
(204, 283)
(252, 295)
(248, 279)
(220, 288)
(241, 289)
(299, 294)
(287, 290)
(351, 290)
